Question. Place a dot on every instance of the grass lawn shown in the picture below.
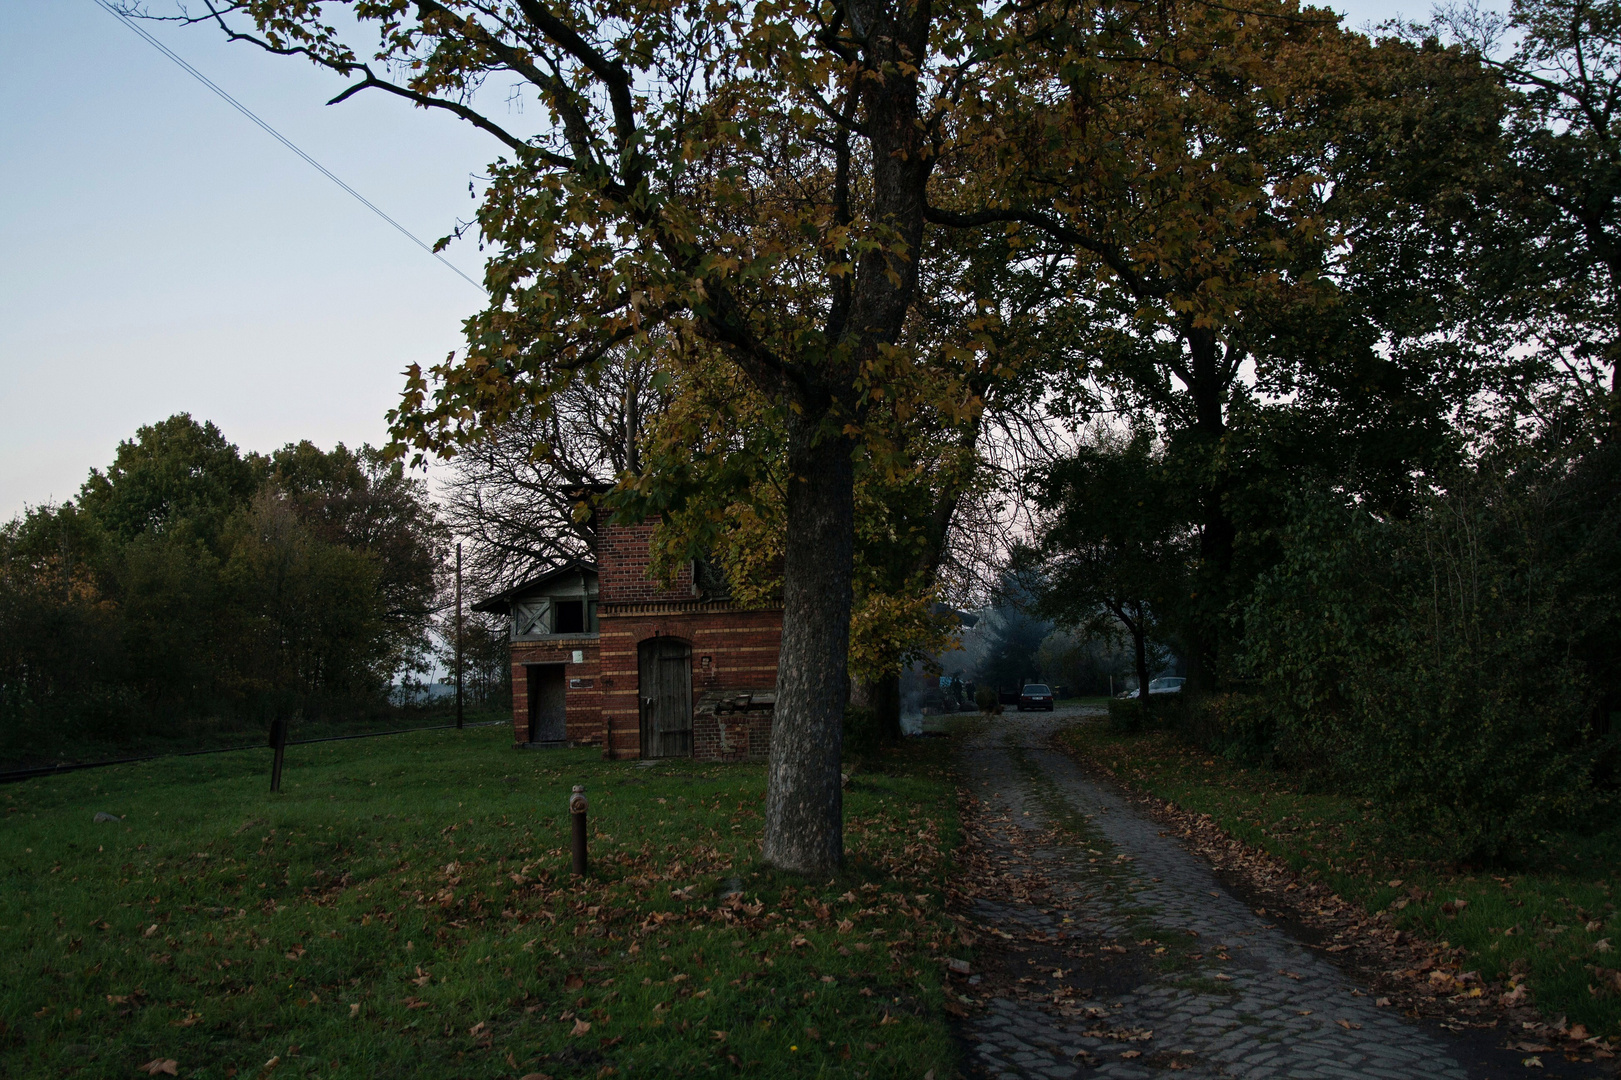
(404, 908)
(1556, 924)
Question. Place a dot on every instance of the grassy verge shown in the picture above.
(1556, 925)
(404, 908)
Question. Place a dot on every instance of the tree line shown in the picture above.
(190, 588)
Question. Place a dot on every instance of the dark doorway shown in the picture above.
(665, 668)
(546, 710)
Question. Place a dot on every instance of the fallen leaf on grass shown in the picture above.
(1348, 1026)
(581, 1027)
(150, 931)
(297, 952)
(415, 1003)
(190, 1019)
(168, 1066)
(354, 1010)
(536, 1076)
(574, 982)
(1532, 1062)
(1131, 1054)
(1383, 1002)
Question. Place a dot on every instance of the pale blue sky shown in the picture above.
(163, 255)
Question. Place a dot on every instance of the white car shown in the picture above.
(1170, 684)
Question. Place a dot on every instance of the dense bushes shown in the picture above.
(1133, 714)
(1457, 664)
(863, 732)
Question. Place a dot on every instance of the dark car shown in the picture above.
(1036, 696)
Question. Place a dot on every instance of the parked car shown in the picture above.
(1036, 696)
(1169, 684)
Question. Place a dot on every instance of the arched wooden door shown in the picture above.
(665, 670)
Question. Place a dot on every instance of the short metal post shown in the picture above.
(576, 808)
(278, 742)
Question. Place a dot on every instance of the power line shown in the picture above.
(279, 137)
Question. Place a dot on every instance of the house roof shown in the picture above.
(501, 602)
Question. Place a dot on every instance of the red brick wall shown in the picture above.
(742, 648)
(744, 736)
(582, 704)
(624, 553)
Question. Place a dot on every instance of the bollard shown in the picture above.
(278, 742)
(576, 808)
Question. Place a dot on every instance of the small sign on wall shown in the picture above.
(579, 656)
(580, 684)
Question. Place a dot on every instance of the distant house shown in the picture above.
(605, 655)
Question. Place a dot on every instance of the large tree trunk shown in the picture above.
(1216, 533)
(804, 812)
(804, 799)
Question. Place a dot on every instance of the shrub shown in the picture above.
(863, 732)
(985, 698)
(1428, 663)
(1125, 716)
(1128, 715)
(1241, 727)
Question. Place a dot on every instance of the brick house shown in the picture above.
(604, 654)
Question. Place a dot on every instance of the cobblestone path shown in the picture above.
(1123, 956)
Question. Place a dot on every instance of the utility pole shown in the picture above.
(458, 635)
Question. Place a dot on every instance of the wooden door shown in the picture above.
(665, 672)
(547, 720)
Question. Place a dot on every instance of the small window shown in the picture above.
(532, 618)
(570, 617)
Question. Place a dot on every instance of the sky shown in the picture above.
(161, 254)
